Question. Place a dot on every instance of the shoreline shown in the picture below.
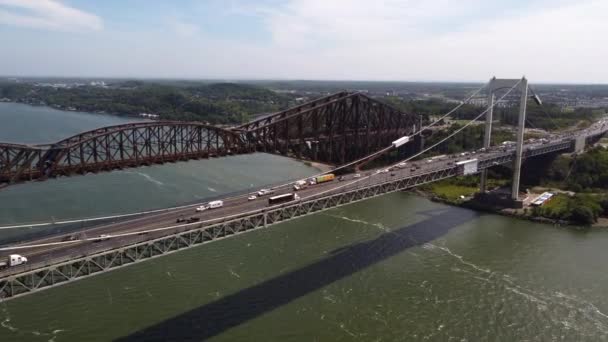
(472, 205)
(321, 167)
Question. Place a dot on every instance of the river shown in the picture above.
(394, 268)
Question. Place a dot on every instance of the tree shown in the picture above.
(583, 215)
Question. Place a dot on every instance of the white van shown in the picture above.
(210, 205)
(216, 204)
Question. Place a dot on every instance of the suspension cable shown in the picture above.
(425, 150)
(384, 150)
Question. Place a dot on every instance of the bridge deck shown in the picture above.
(53, 265)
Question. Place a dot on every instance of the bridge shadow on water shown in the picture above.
(216, 317)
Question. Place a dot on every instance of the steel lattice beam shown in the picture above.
(76, 267)
(335, 129)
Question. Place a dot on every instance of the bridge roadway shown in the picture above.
(40, 257)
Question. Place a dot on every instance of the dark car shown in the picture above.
(193, 219)
(180, 220)
(71, 237)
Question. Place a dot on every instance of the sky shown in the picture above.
(562, 41)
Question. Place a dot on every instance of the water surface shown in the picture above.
(394, 268)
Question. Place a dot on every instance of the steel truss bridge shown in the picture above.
(334, 129)
(57, 272)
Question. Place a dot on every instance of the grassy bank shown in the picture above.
(453, 190)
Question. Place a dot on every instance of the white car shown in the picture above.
(357, 175)
(252, 197)
(201, 208)
(102, 237)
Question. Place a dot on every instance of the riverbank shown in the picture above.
(323, 168)
(470, 202)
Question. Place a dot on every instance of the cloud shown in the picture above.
(547, 40)
(47, 14)
(432, 40)
(183, 28)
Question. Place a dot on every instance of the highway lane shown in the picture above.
(39, 255)
(232, 206)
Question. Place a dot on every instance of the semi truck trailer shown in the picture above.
(12, 260)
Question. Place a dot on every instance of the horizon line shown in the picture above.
(253, 79)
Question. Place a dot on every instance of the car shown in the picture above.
(180, 220)
(193, 219)
(102, 237)
(202, 208)
(357, 175)
(264, 192)
(252, 197)
(392, 174)
(71, 237)
(341, 179)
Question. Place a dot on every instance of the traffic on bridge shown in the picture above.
(55, 260)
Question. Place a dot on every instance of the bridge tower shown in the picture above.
(495, 85)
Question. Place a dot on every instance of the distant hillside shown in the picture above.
(218, 103)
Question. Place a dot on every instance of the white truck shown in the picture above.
(211, 205)
(13, 260)
(299, 185)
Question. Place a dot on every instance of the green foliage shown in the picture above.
(452, 188)
(450, 192)
(471, 138)
(581, 209)
(221, 103)
(550, 116)
(587, 172)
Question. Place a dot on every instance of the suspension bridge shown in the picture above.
(347, 129)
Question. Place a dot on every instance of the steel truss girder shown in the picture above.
(66, 271)
(82, 267)
(335, 130)
(117, 147)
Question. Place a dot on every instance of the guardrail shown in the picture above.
(137, 248)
